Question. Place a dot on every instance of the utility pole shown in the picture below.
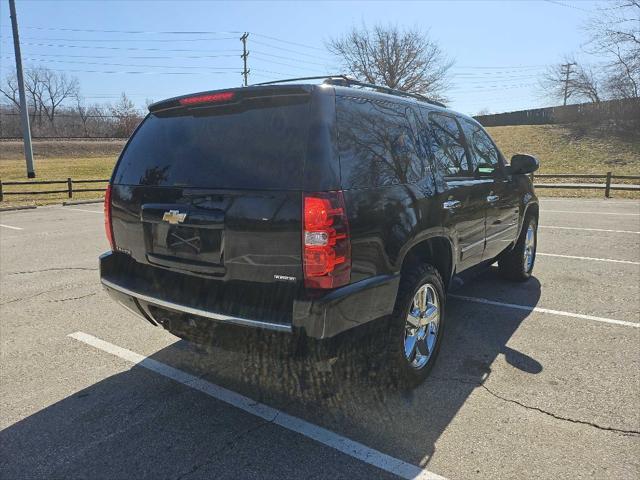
(566, 70)
(245, 54)
(24, 114)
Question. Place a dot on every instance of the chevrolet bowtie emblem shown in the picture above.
(174, 217)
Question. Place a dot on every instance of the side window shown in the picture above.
(378, 144)
(447, 146)
(485, 157)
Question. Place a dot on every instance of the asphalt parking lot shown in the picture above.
(540, 379)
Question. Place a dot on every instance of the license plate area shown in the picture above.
(196, 240)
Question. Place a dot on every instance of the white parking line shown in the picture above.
(10, 227)
(326, 437)
(591, 213)
(546, 310)
(588, 229)
(88, 211)
(587, 258)
(607, 201)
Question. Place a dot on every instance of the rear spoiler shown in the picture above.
(227, 97)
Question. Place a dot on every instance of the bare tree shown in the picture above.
(54, 89)
(46, 91)
(571, 80)
(127, 116)
(407, 60)
(615, 34)
(10, 90)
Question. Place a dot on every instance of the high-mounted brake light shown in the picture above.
(209, 98)
(326, 243)
(107, 218)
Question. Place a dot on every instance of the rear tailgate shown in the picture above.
(214, 191)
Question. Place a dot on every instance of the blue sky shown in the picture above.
(499, 47)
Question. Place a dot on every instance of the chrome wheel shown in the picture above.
(421, 327)
(529, 248)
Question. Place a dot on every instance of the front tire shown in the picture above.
(517, 263)
(417, 325)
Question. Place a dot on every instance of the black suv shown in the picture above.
(312, 209)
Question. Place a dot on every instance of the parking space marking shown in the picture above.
(528, 308)
(588, 229)
(88, 211)
(321, 435)
(604, 201)
(587, 258)
(591, 213)
(10, 227)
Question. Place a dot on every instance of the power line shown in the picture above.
(287, 58)
(141, 72)
(201, 67)
(304, 54)
(567, 5)
(137, 57)
(289, 42)
(274, 62)
(172, 40)
(174, 32)
(95, 47)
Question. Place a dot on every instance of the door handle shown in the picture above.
(451, 204)
(493, 198)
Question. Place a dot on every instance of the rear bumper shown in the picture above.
(319, 315)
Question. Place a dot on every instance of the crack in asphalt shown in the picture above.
(52, 270)
(540, 410)
(56, 289)
(73, 298)
(29, 297)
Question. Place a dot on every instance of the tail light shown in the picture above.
(208, 98)
(326, 242)
(107, 217)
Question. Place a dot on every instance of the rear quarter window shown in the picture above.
(260, 145)
(378, 143)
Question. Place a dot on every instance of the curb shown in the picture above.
(22, 207)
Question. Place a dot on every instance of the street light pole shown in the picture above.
(24, 113)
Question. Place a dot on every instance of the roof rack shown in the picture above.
(347, 81)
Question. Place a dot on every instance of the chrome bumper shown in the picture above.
(141, 297)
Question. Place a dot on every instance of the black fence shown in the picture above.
(608, 111)
(607, 186)
(68, 183)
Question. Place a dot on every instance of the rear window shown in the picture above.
(260, 144)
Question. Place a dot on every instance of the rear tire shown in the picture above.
(417, 325)
(517, 264)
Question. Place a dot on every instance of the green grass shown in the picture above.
(54, 169)
(561, 151)
(558, 149)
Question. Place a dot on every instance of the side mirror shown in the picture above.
(521, 163)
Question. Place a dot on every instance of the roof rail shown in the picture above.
(347, 81)
(381, 88)
(319, 77)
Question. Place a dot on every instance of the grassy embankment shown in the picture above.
(558, 149)
(57, 160)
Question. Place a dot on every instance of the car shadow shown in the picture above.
(135, 424)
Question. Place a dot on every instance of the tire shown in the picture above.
(412, 368)
(517, 264)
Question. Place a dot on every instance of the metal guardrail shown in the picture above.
(607, 186)
(69, 190)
